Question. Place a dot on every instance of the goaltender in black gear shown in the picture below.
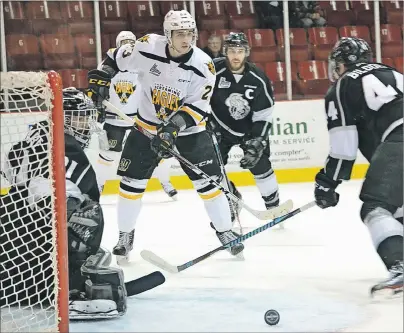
(96, 290)
(242, 105)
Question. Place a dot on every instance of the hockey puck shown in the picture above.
(272, 317)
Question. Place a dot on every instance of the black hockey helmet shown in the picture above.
(236, 39)
(348, 51)
(80, 115)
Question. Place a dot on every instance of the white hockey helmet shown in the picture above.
(179, 20)
(125, 35)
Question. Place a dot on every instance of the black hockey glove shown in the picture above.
(99, 82)
(324, 191)
(213, 127)
(253, 150)
(165, 138)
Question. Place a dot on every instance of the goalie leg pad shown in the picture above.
(85, 228)
(92, 309)
(104, 283)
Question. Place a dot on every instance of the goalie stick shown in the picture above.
(261, 215)
(144, 283)
(161, 263)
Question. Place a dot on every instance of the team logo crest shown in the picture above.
(144, 39)
(238, 106)
(112, 143)
(124, 89)
(166, 100)
(124, 164)
(211, 67)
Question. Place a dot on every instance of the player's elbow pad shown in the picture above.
(261, 129)
(110, 67)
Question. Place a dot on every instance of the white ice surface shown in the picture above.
(316, 272)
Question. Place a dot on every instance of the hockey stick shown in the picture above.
(161, 263)
(261, 215)
(144, 283)
(227, 182)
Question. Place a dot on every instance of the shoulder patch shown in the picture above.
(144, 39)
(211, 67)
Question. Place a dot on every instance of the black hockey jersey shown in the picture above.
(28, 160)
(363, 107)
(242, 106)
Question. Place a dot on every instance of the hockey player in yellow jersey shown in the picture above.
(177, 80)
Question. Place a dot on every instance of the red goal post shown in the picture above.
(25, 99)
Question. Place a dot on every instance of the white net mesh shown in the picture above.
(28, 275)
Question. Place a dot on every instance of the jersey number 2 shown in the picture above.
(205, 95)
(377, 94)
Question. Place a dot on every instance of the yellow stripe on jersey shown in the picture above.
(130, 196)
(210, 195)
(192, 113)
(142, 124)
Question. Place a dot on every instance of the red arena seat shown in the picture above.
(143, 9)
(399, 64)
(356, 31)
(392, 43)
(276, 72)
(322, 39)
(114, 16)
(74, 78)
(240, 7)
(85, 45)
(263, 47)
(211, 15)
(15, 19)
(23, 52)
(299, 46)
(313, 78)
(79, 16)
(166, 6)
(59, 51)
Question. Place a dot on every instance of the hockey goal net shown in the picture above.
(33, 236)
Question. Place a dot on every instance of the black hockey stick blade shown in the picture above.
(144, 283)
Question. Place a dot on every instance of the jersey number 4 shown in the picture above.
(377, 94)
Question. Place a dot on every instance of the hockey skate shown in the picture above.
(228, 236)
(170, 190)
(394, 282)
(124, 246)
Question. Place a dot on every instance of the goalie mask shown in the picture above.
(348, 51)
(80, 115)
(179, 20)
